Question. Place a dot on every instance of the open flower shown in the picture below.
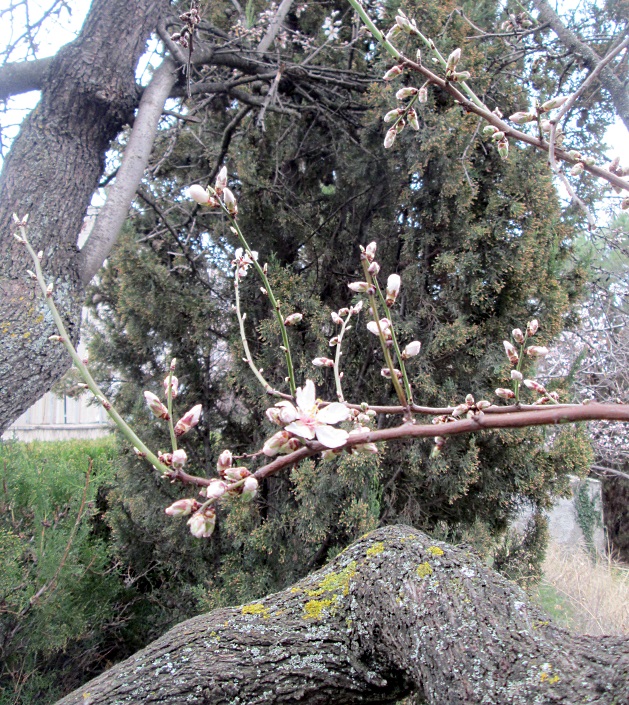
(311, 422)
(242, 260)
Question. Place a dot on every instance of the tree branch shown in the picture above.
(136, 156)
(394, 613)
(274, 25)
(23, 76)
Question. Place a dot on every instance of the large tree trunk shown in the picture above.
(51, 173)
(394, 613)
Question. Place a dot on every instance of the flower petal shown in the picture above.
(331, 437)
(333, 413)
(299, 428)
(288, 412)
(305, 396)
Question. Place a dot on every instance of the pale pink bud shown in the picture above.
(202, 523)
(230, 202)
(422, 95)
(461, 76)
(535, 386)
(182, 507)
(392, 73)
(393, 288)
(199, 194)
(359, 287)
(373, 269)
(537, 351)
(517, 335)
(407, 92)
(370, 251)
(386, 373)
(165, 458)
(189, 420)
(505, 393)
(215, 490)
(221, 181)
(343, 311)
(179, 458)
(512, 353)
(532, 326)
(156, 406)
(516, 376)
(273, 415)
(385, 325)
(412, 119)
(234, 474)
(225, 460)
(577, 169)
(521, 118)
(336, 318)
(357, 308)
(389, 138)
(483, 404)
(323, 362)
(453, 60)
(275, 443)
(460, 410)
(333, 341)
(293, 319)
(393, 115)
(174, 384)
(249, 489)
(412, 349)
(469, 400)
(553, 103)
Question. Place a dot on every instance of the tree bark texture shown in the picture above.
(51, 173)
(394, 613)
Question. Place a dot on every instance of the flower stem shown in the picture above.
(125, 429)
(337, 359)
(169, 402)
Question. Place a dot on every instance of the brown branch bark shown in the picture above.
(23, 76)
(394, 613)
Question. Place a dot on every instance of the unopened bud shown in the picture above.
(189, 420)
(230, 202)
(516, 376)
(505, 393)
(521, 118)
(537, 351)
(512, 353)
(40, 255)
(293, 319)
(370, 251)
(389, 138)
(359, 287)
(202, 523)
(323, 362)
(517, 335)
(199, 194)
(412, 119)
(531, 327)
(490, 129)
(553, 103)
(503, 149)
(55, 339)
(249, 489)
(221, 181)
(174, 386)
(156, 406)
(535, 386)
(373, 268)
(393, 288)
(577, 169)
(453, 60)
(412, 349)
(224, 460)
(392, 73)
(422, 95)
(179, 458)
(182, 507)
(407, 92)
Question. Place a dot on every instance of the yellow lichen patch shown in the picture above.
(376, 549)
(39, 319)
(314, 608)
(335, 581)
(295, 589)
(27, 334)
(257, 609)
(424, 570)
(435, 551)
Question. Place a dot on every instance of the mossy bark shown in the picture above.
(394, 613)
(50, 174)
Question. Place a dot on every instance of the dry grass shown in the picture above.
(588, 596)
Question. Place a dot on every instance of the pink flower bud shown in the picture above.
(336, 318)
(189, 420)
(179, 458)
(517, 335)
(230, 202)
(199, 194)
(535, 386)
(293, 319)
(182, 507)
(202, 523)
(412, 349)
(370, 251)
(174, 384)
(412, 119)
(532, 326)
(224, 460)
(393, 288)
(156, 406)
(359, 287)
(386, 373)
(453, 60)
(357, 308)
(553, 103)
(392, 73)
(407, 92)
(512, 353)
(249, 489)
(483, 404)
(460, 410)
(385, 325)
(389, 138)
(323, 362)
(537, 351)
(234, 474)
(469, 400)
(274, 444)
(505, 393)
(215, 490)
(516, 376)
(521, 118)
(373, 269)
(165, 458)
(221, 181)
(342, 312)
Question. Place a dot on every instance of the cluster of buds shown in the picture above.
(451, 73)
(404, 114)
(502, 143)
(515, 358)
(403, 25)
(470, 408)
(190, 20)
(516, 23)
(615, 168)
(212, 197)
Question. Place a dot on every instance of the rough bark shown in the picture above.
(51, 173)
(394, 613)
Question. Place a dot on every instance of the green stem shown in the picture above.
(396, 347)
(516, 382)
(383, 343)
(274, 303)
(337, 359)
(171, 428)
(241, 323)
(125, 429)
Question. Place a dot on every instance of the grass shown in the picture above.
(587, 595)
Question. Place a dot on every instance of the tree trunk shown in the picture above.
(392, 614)
(51, 173)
